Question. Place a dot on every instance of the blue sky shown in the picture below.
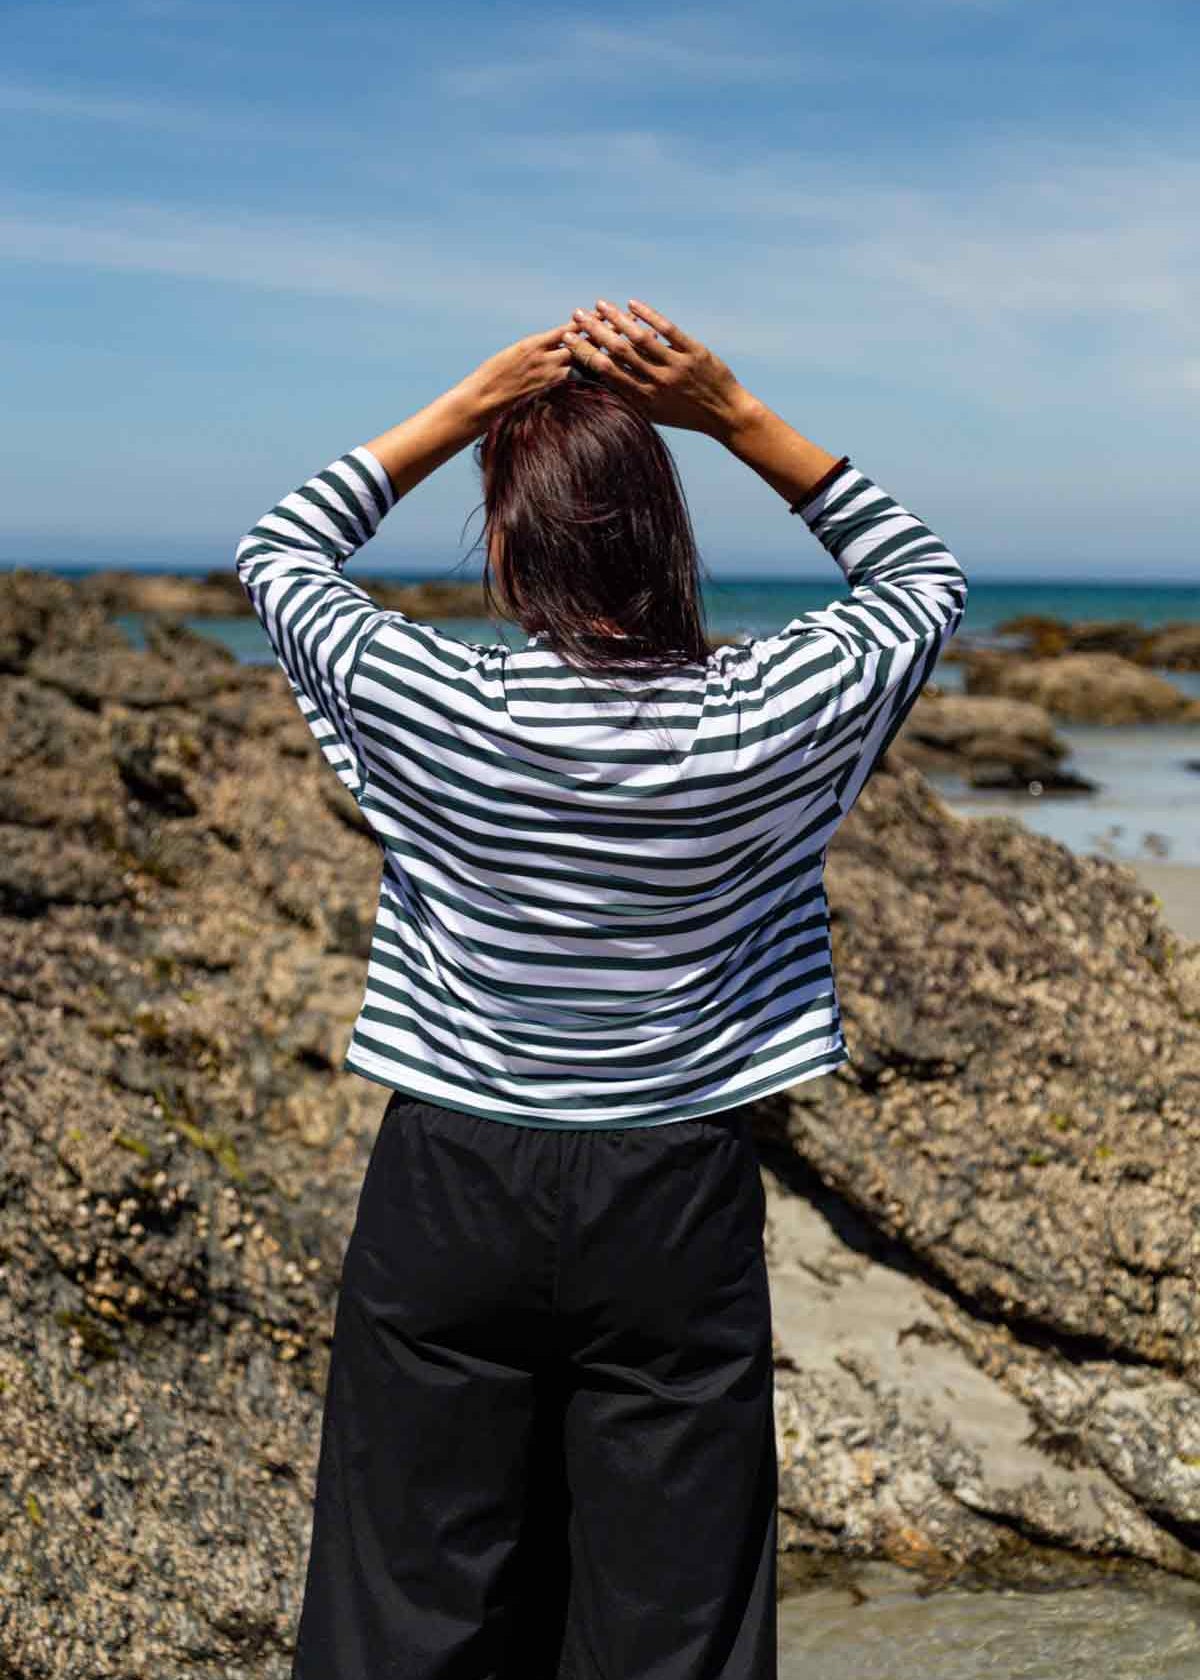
(954, 239)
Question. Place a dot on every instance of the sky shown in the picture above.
(956, 240)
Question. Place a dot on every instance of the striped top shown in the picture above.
(595, 909)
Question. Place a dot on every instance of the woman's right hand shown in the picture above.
(670, 377)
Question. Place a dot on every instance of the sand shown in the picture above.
(1178, 886)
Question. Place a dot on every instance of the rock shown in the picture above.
(153, 762)
(40, 614)
(1172, 645)
(1124, 637)
(435, 598)
(905, 1433)
(1176, 646)
(955, 725)
(1007, 1171)
(218, 594)
(1043, 635)
(1081, 687)
(988, 740)
(1027, 776)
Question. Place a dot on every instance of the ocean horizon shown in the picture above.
(756, 606)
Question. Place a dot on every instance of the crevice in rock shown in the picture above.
(1184, 1533)
(1013, 1523)
(856, 1230)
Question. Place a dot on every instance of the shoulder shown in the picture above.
(416, 644)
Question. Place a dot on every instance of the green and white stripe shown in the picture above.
(599, 909)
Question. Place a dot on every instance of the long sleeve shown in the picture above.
(318, 622)
(851, 672)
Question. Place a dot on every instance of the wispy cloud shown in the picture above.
(278, 253)
(1021, 235)
(28, 100)
(176, 118)
(974, 274)
(670, 55)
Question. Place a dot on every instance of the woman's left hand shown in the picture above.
(531, 364)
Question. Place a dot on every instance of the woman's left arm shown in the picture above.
(291, 561)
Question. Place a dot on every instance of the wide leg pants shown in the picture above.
(548, 1447)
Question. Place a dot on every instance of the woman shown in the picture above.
(548, 1441)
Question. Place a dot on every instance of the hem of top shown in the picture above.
(357, 1062)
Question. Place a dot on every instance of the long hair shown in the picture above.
(585, 508)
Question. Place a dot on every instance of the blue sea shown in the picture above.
(1147, 806)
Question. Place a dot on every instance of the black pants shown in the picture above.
(548, 1445)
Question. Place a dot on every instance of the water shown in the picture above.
(759, 606)
(1147, 803)
(1114, 1630)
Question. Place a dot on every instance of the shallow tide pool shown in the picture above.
(1107, 1631)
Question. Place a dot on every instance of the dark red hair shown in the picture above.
(585, 508)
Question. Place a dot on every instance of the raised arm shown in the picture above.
(850, 673)
(318, 622)
(291, 560)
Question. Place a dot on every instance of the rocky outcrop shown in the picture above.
(1173, 645)
(216, 594)
(1004, 1183)
(1001, 1185)
(1080, 687)
(219, 594)
(989, 741)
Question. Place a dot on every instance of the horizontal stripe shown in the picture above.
(601, 902)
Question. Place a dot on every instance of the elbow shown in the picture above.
(954, 590)
(960, 594)
(248, 550)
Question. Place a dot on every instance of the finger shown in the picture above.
(605, 335)
(589, 357)
(582, 350)
(674, 335)
(554, 336)
(642, 338)
(621, 374)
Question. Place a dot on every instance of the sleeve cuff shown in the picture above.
(378, 474)
(820, 486)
